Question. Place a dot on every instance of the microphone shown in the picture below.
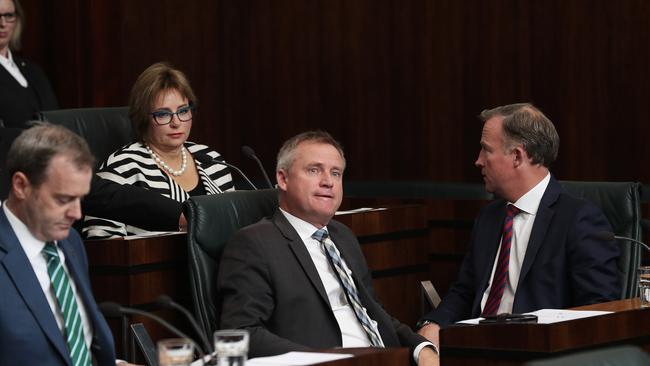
(165, 301)
(250, 153)
(112, 309)
(206, 159)
(609, 236)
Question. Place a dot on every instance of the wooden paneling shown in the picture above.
(518, 343)
(398, 82)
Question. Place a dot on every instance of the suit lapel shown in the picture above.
(540, 227)
(298, 248)
(20, 270)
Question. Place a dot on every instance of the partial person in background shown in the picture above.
(24, 88)
(162, 107)
(531, 249)
(48, 315)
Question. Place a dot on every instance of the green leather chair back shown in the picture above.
(620, 203)
(212, 220)
(105, 129)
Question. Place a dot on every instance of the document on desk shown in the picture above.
(148, 234)
(549, 316)
(296, 359)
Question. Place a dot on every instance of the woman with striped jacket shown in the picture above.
(161, 107)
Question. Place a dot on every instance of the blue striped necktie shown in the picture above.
(349, 287)
(74, 331)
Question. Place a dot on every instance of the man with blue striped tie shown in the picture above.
(48, 315)
(298, 280)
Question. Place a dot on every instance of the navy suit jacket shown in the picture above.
(17, 104)
(269, 285)
(29, 334)
(562, 267)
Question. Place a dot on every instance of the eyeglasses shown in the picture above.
(183, 114)
(8, 17)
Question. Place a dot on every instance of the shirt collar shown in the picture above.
(30, 244)
(304, 229)
(9, 60)
(529, 202)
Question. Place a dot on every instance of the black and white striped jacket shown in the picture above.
(133, 165)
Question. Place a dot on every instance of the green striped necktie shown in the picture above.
(74, 331)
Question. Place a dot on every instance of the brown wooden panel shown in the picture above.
(141, 288)
(398, 82)
(382, 255)
(400, 295)
(517, 343)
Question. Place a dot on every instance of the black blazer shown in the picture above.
(563, 266)
(131, 204)
(269, 285)
(17, 104)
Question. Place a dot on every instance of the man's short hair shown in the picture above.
(33, 150)
(286, 154)
(524, 124)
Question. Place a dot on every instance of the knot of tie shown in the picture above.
(320, 235)
(512, 211)
(50, 250)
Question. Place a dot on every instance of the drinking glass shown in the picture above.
(175, 352)
(231, 346)
(644, 286)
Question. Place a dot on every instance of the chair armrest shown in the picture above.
(429, 298)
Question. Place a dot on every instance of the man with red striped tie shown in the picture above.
(530, 249)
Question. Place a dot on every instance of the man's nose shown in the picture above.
(74, 211)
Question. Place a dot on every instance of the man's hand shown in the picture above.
(431, 332)
(428, 357)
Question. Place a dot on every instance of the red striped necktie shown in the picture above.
(500, 278)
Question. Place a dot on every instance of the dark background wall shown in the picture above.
(398, 82)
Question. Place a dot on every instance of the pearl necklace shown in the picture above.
(164, 165)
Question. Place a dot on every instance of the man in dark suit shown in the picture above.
(298, 280)
(531, 249)
(48, 315)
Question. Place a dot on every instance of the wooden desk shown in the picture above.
(136, 271)
(514, 344)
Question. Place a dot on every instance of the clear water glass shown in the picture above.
(175, 352)
(644, 286)
(231, 346)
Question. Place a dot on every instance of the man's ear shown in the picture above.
(281, 177)
(519, 156)
(20, 185)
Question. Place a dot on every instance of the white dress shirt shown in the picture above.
(33, 248)
(352, 333)
(522, 225)
(9, 64)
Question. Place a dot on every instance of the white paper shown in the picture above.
(550, 316)
(148, 234)
(357, 210)
(296, 359)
